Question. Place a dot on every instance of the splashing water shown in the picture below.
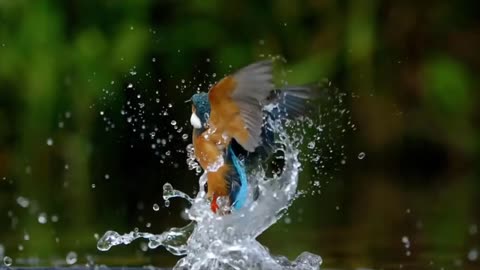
(211, 241)
(228, 242)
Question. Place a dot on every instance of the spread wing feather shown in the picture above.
(253, 86)
(248, 91)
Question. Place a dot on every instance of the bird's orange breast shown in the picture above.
(225, 123)
(208, 154)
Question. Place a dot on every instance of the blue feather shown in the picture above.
(202, 106)
(237, 180)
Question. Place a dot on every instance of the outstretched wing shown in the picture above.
(236, 103)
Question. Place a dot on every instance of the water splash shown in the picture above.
(211, 241)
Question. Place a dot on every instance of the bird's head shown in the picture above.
(200, 110)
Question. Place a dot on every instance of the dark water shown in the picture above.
(380, 225)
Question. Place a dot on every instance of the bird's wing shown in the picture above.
(236, 103)
(290, 102)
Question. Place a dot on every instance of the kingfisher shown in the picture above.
(230, 124)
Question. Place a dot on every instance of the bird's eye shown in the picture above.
(195, 121)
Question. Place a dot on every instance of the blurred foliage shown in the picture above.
(409, 69)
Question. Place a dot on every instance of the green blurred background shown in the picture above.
(78, 156)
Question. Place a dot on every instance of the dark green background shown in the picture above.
(409, 70)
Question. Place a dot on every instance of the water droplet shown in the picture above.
(173, 122)
(42, 218)
(23, 202)
(130, 86)
(167, 203)
(107, 176)
(7, 261)
(185, 136)
(93, 185)
(71, 258)
(49, 141)
(473, 255)
(311, 145)
(54, 218)
(143, 246)
(101, 112)
(167, 189)
(154, 60)
(156, 207)
(361, 155)
(109, 239)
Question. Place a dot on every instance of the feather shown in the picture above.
(237, 181)
(292, 101)
(253, 86)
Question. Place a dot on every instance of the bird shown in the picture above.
(231, 126)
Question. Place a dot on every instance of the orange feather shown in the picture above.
(225, 115)
(207, 154)
(225, 122)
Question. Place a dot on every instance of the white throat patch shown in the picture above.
(195, 121)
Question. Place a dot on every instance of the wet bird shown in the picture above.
(230, 124)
